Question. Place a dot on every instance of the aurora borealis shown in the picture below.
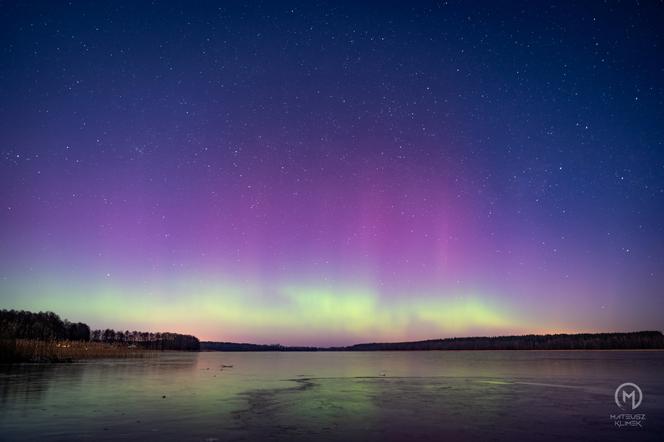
(327, 173)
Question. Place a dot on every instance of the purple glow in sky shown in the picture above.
(333, 173)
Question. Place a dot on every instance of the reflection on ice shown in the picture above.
(331, 396)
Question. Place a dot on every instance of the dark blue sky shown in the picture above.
(500, 161)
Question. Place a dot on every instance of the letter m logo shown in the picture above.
(628, 391)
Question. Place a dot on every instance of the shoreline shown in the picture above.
(62, 351)
(434, 350)
(27, 350)
(143, 354)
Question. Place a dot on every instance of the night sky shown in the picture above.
(331, 173)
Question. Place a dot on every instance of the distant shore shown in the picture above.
(642, 340)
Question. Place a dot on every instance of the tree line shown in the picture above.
(48, 326)
(581, 341)
(234, 346)
(148, 340)
(43, 326)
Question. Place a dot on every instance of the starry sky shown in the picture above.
(327, 173)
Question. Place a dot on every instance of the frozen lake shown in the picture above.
(484, 395)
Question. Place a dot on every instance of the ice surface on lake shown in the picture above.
(502, 395)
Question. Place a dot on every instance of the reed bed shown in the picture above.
(32, 350)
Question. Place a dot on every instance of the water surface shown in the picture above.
(484, 395)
